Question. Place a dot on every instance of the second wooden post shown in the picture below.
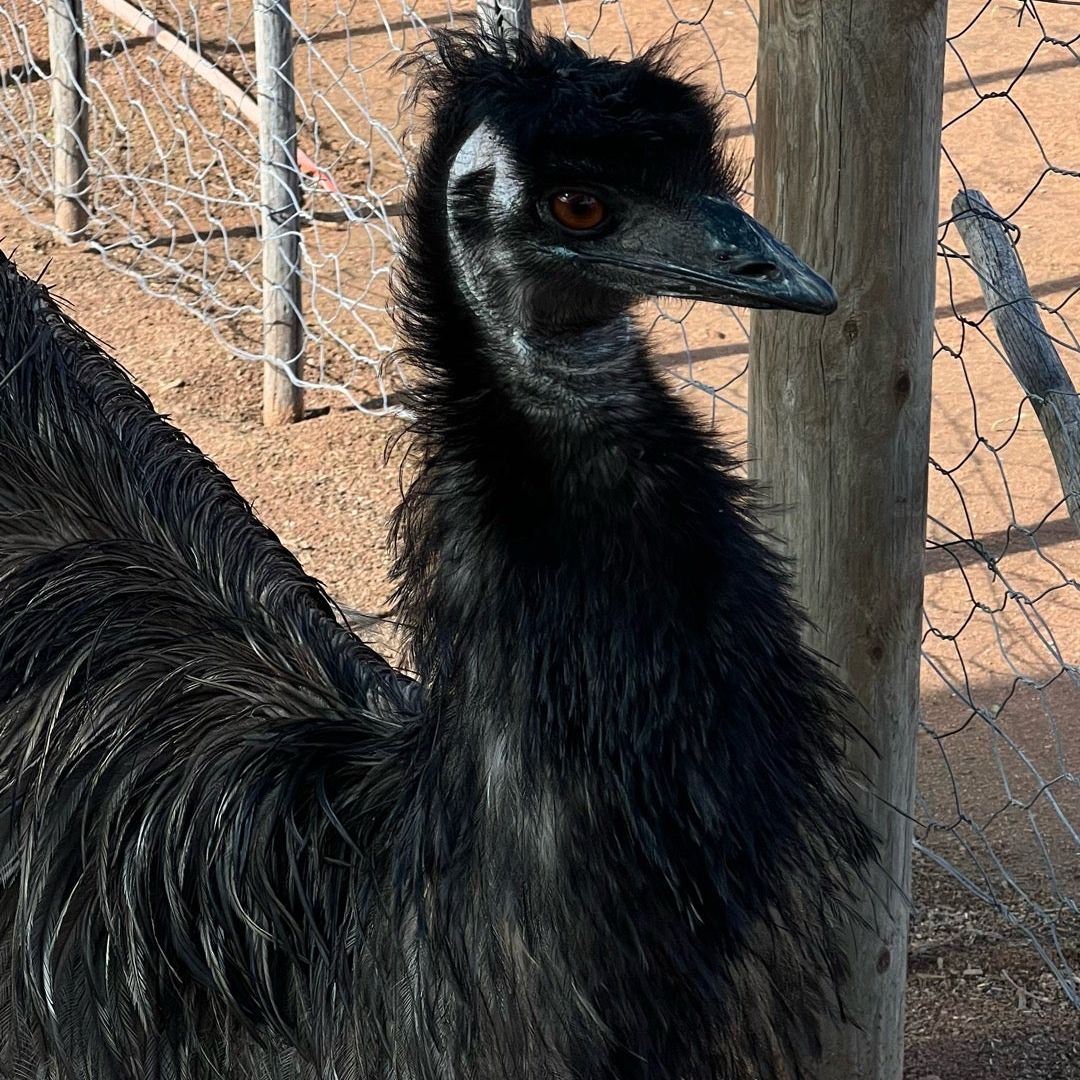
(283, 332)
(70, 117)
(507, 17)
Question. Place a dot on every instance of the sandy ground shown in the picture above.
(1000, 749)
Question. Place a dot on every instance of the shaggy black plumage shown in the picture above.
(605, 833)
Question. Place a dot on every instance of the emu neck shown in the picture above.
(572, 537)
(569, 379)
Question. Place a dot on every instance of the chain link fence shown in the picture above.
(999, 776)
(173, 158)
(174, 201)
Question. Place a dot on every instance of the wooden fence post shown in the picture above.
(849, 102)
(70, 117)
(283, 399)
(506, 16)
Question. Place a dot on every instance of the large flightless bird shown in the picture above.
(601, 829)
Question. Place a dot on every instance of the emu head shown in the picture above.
(573, 186)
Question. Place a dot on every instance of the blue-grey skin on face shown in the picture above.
(509, 240)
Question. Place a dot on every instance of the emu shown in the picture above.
(601, 830)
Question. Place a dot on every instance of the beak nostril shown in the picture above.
(759, 271)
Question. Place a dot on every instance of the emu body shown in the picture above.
(602, 831)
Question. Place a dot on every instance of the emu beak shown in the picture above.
(738, 261)
(718, 253)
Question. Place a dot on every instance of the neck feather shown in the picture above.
(572, 563)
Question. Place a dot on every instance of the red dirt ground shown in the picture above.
(981, 1002)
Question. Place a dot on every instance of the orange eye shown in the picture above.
(578, 210)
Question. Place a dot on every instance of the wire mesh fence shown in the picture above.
(173, 197)
(173, 187)
(999, 780)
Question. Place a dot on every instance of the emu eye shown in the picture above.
(578, 210)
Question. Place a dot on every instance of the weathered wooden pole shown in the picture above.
(283, 399)
(506, 16)
(70, 117)
(1028, 348)
(847, 150)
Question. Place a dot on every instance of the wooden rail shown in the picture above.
(1029, 350)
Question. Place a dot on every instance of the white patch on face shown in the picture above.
(484, 150)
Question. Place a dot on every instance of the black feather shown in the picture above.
(606, 833)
